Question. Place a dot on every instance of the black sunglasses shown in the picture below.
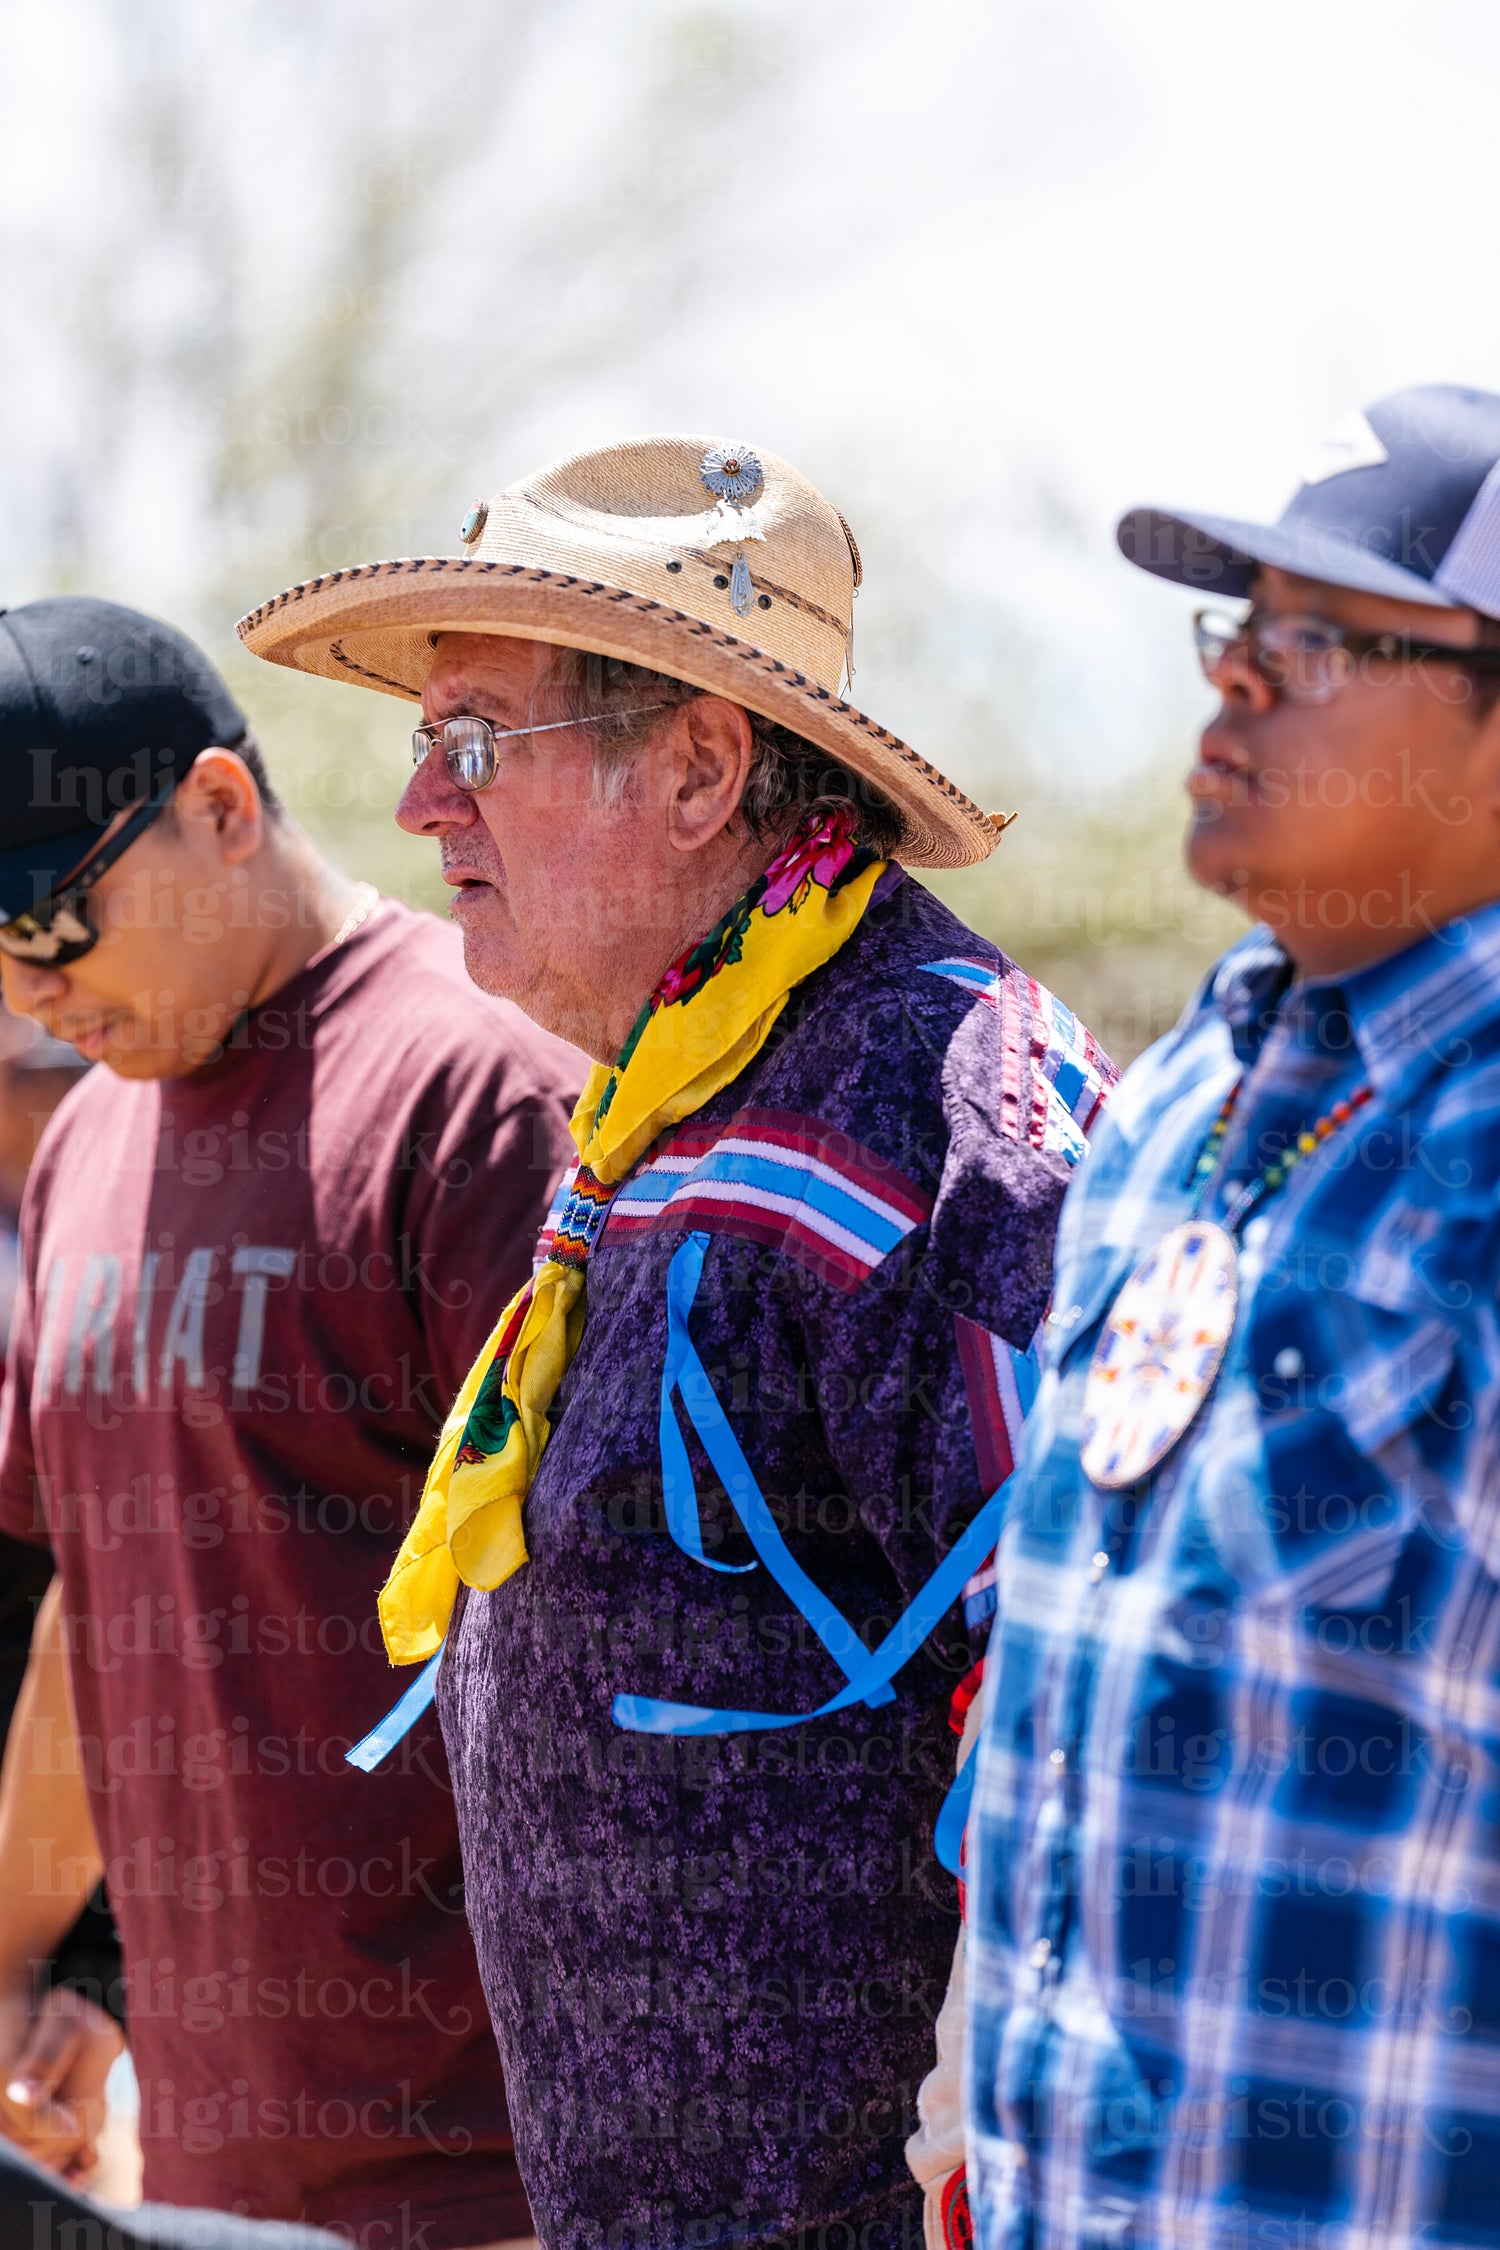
(59, 930)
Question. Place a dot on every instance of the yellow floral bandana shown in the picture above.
(705, 1022)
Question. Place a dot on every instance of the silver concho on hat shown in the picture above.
(474, 522)
(732, 473)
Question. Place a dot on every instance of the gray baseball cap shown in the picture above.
(1402, 498)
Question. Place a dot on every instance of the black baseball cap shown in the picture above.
(100, 708)
(1389, 502)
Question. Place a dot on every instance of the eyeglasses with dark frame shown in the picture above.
(1310, 659)
(468, 744)
(59, 929)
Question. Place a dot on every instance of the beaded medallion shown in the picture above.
(1158, 1354)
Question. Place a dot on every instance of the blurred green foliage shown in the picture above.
(339, 759)
(1093, 899)
(292, 324)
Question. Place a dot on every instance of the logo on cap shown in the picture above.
(1351, 444)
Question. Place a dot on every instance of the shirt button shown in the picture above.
(1287, 1363)
(1057, 1757)
(1098, 1566)
(1041, 1953)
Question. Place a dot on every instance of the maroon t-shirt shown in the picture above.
(251, 1295)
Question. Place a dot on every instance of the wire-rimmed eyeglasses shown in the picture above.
(1310, 659)
(468, 744)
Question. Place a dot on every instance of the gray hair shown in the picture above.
(790, 779)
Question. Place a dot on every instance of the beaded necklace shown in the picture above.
(1273, 1174)
(1160, 1350)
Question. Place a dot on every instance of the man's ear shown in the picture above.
(218, 804)
(713, 753)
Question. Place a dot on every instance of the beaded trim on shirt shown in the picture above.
(581, 1220)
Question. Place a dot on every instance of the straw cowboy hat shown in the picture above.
(720, 566)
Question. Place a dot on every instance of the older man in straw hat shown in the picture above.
(722, 1472)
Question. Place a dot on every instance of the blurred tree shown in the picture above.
(321, 276)
(1093, 899)
(343, 256)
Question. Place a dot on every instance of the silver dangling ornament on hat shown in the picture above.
(733, 474)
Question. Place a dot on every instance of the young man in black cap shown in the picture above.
(1235, 1884)
(261, 1246)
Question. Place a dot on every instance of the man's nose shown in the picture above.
(431, 801)
(1240, 680)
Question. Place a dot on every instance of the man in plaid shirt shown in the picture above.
(1234, 1897)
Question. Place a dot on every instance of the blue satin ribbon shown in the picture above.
(870, 1674)
(685, 1372)
(953, 1816)
(679, 1493)
(399, 1720)
(645, 1714)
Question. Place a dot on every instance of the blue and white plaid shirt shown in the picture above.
(1234, 1935)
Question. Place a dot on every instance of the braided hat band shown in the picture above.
(717, 565)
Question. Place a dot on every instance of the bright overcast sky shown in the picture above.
(989, 270)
